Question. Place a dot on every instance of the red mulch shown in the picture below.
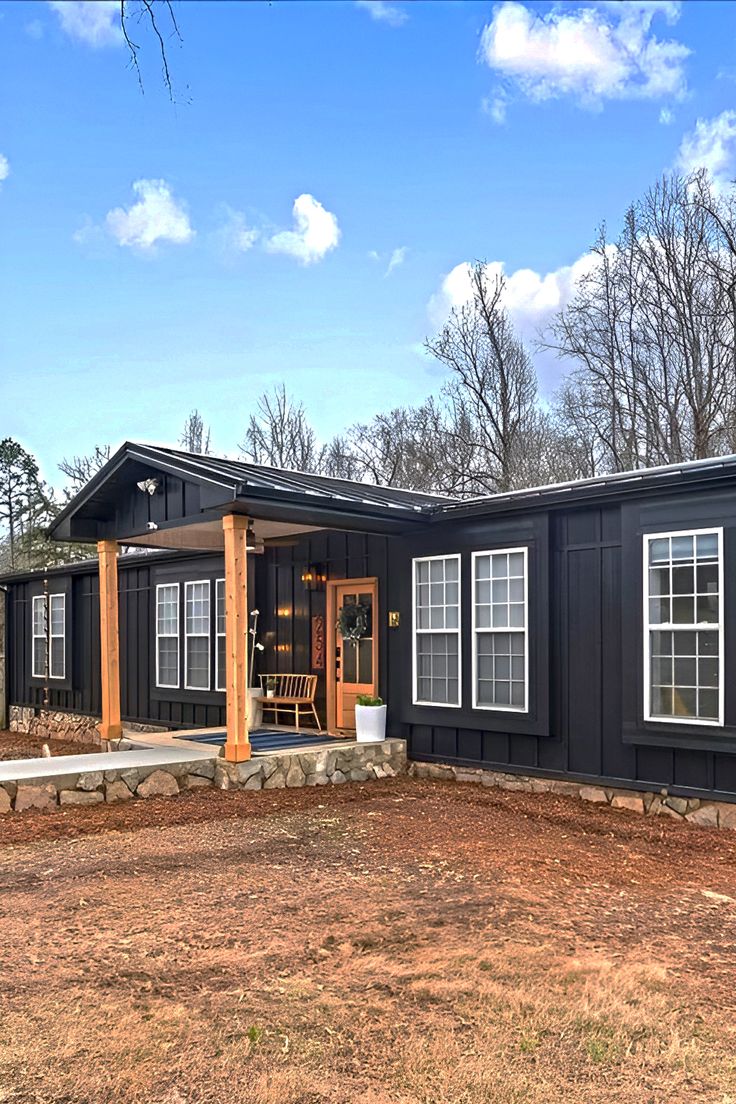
(18, 745)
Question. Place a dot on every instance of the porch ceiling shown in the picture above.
(208, 535)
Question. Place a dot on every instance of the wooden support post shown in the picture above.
(110, 728)
(237, 744)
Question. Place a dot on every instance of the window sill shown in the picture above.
(691, 737)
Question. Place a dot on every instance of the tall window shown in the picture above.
(683, 626)
(57, 636)
(197, 635)
(48, 616)
(220, 634)
(167, 635)
(40, 640)
(500, 624)
(437, 630)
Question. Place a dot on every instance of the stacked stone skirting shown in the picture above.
(710, 814)
(354, 763)
(47, 724)
(349, 763)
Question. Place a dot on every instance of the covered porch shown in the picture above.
(253, 517)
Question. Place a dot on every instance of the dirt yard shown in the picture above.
(405, 942)
(18, 745)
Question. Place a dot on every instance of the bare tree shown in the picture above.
(400, 448)
(650, 334)
(154, 17)
(195, 436)
(80, 469)
(279, 434)
(491, 396)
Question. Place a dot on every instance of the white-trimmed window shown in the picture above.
(40, 639)
(167, 635)
(219, 634)
(500, 630)
(683, 626)
(437, 630)
(57, 636)
(197, 635)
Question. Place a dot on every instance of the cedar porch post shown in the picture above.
(110, 728)
(237, 744)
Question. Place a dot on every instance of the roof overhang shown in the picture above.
(196, 492)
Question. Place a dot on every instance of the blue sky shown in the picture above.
(433, 133)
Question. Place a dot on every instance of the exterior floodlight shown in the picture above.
(148, 486)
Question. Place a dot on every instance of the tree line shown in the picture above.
(648, 348)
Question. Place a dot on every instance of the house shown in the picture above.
(580, 631)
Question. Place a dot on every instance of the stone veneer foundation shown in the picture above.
(710, 814)
(319, 767)
(75, 728)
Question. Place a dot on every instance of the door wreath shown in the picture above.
(352, 621)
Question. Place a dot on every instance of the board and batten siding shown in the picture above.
(594, 668)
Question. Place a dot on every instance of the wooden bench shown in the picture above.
(291, 693)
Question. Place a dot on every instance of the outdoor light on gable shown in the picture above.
(314, 576)
(148, 486)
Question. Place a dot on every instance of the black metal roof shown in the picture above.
(643, 480)
(248, 477)
(321, 501)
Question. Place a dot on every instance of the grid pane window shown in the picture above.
(220, 634)
(57, 634)
(683, 627)
(500, 629)
(437, 630)
(167, 635)
(197, 635)
(40, 643)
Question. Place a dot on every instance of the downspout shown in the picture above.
(3, 658)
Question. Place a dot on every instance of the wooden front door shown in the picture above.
(354, 662)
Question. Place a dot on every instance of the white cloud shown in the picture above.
(712, 146)
(397, 258)
(4, 167)
(315, 232)
(236, 235)
(383, 12)
(157, 216)
(666, 116)
(496, 106)
(530, 297)
(591, 53)
(95, 22)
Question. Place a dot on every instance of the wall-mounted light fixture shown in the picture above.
(314, 576)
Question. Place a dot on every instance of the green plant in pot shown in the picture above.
(370, 719)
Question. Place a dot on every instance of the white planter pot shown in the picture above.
(370, 723)
(255, 708)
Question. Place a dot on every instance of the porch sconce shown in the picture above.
(314, 577)
(283, 611)
(251, 544)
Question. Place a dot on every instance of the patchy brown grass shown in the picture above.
(19, 745)
(402, 942)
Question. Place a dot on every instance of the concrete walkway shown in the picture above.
(16, 770)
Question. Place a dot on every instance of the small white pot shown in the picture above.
(270, 693)
(370, 723)
(255, 708)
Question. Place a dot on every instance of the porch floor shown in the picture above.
(265, 740)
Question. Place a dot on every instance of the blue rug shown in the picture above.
(265, 739)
